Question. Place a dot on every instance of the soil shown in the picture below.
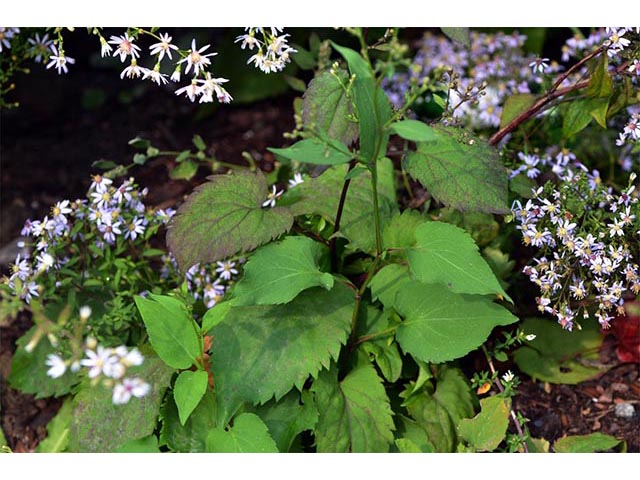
(49, 143)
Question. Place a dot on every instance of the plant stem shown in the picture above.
(511, 411)
(343, 197)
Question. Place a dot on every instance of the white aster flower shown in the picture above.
(125, 46)
(226, 270)
(155, 75)
(508, 377)
(272, 197)
(129, 387)
(192, 90)
(195, 58)
(133, 70)
(59, 60)
(57, 366)
(296, 180)
(99, 361)
(164, 46)
(40, 46)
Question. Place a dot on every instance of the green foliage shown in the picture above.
(264, 351)
(28, 371)
(315, 151)
(288, 417)
(188, 390)
(458, 34)
(460, 170)
(413, 130)
(354, 413)
(401, 231)
(515, 105)
(321, 196)
(99, 426)
(559, 356)
(223, 217)
(447, 255)
(388, 282)
(379, 347)
(278, 272)
(185, 170)
(248, 434)
(172, 331)
(192, 436)
(486, 430)
(594, 442)
(57, 431)
(142, 445)
(326, 107)
(436, 409)
(440, 325)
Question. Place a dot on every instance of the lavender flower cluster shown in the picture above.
(109, 216)
(588, 240)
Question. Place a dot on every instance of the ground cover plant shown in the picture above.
(444, 215)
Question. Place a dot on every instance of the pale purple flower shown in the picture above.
(59, 60)
(129, 387)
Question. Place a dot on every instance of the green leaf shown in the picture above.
(440, 325)
(172, 331)
(248, 434)
(288, 417)
(447, 255)
(577, 117)
(486, 430)
(139, 159)
(458, 34)
(594, 442)
(188, 390)
(412, 436)
(326, 107)
(223, 217)
(99, 426)
(143, 445)
(303, 57)
(406, 445)
(438, 409)
(315, 151)
(372, 106)
(413, 130)
(214, 316)
(321, 195)
(57, 431)
(140, 143)
(354, 414)
(264, 351)
(29, 370)
(401, 231)
(599, 108)
(184, 171)
(460, 170)
(514, 105)
(600, 81)
(192, 436)
(381, 349)
(183, 155)
(199, 143)
(278, 272)
(388, 282)
(559, 356)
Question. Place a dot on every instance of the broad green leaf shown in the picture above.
(354, 414)
(278, 272)
(559, 356)
(381, 350)
(321, 195)
(223, 217)
(99, 426)
(447, 255)
(143, 445)
(438, 409)
(57, 431)
(315, 151)
(460, 170)
(188, 390)
(458, 34)
(288, 417)
(486, 430)
(514, 105)
(599, 108)
(184, 171)
(538, 445)
(372, 106)
(248, 434)
(440, 325)
(387, 282)
(577, 117)
(406, 445)
(413, 130)
(594, 442)
(172, 331)
(600, 81)
(264, 351)
(214, 316)
(29, 370)
(401, 230)
(412, 436)
(326, 107)
(192, 436)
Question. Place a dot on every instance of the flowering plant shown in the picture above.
(338, 295)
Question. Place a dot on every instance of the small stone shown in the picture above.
(625, 410)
